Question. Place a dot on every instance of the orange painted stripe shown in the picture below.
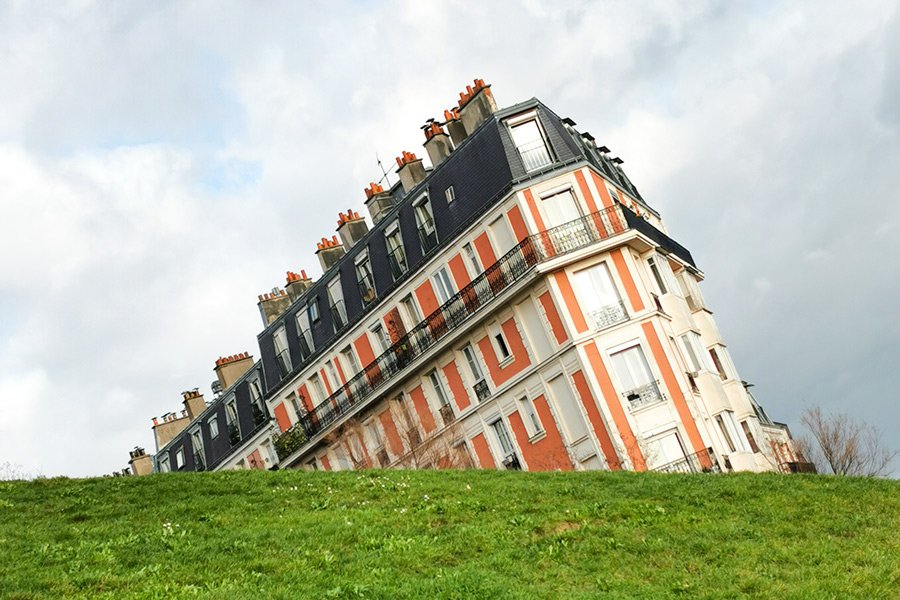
(394, 325)
(500, 375)
(571, 302)
(422, 409)
(533, 209)
(485, 250)
(483, 452)
(517, 222)
(390, 431)
(325, 381)
(601, 189)
(668, 375)
(458, 270)
(340, 370)
(585, 191)
(625, 275)
(364, 349)
(593, 413)
(457, 387)
(615, 407)
(426, 297)
(305, 398)
(326, 464)
(282, 418)
(548, 453)
(556, 324)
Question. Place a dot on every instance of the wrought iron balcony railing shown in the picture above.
(644, 395)
(535, 155)
(700, 462)
(607, 316)
(509, 269)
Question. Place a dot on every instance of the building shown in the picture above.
(517, 305)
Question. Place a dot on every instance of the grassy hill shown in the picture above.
(471, 534)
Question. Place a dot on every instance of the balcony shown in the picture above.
(471, 300)
(535, 155)
(645, 395)
(607, 316)
(701, 462)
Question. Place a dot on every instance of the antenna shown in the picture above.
(384, 175)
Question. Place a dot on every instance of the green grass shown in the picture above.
(457, 534)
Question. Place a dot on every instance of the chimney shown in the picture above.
(351, 227)
(140, 462)
(378, 201)
(475, 105)
(272, 305)
(329, 252)
(437, 143)
(455, 126)
(411, 170)
(230, 368)
(297, 284)
(194, 403)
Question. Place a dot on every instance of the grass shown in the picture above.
(457, 534)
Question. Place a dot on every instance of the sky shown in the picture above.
(163, 163)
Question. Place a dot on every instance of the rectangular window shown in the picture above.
(472, 360)
(695, 351)
(723, 374)
(197, 443)
(381, 336)
(503, 439)
(638, 385)
(164, 464)
(336, 304)
(749, 434)
(318, 388)
(502, 235)
(396, 253)
(373, 433)
(282, 355)
(305, 334)
(730, 431)
(179, 459)
(443, 286)
(213, 425)
(657, 275)
(410, 312)
(425, 224)
(529, 141)
(295, 404)
(257, 397)
(531, 416)
(725, 433)
(560, 208)
(313, 308)
(450, 194)
(599, 297)
(364, 279)
(500, 344)
(333, 374)
(231, 416)
(350, 361)
(438, 385)
(474, 263)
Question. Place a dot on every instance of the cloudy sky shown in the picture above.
(162, 163)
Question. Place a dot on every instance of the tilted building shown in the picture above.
(517, 305)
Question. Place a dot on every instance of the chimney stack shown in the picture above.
(140, 462)
(272, 305)
(230, 368)
(378, 201)
(437, 143)
(475, 105)
(194, 403)
(329, 252)
(351, 227)
(455, 126)
(297, 284)
(411, 170)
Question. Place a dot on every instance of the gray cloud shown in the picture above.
(163, 164)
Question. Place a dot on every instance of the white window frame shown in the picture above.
(352, 363)
(496, 335)
(381, 336)
(437, 384)
(421, 205)
(280, 343)
(443, 285)
(164, 464)
(231, 414)
(392, 232)
(336, 298)
(524, 119)
(473, 260)
(530, 416)
(450, 194)
(179, 459)
(315, 382)
(362, 260)
(212, 424)
(503, 438)
(304, 328)
(471, 357)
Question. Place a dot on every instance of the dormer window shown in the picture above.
(364, 278)
(282, 355)
(530, 141)
(425, 224)
(336, 304)
(396, 253)
(307, 345)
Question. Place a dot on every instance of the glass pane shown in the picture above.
(561, 208)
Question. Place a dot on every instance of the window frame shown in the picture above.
(304, 334)
(533, 421)
(443, 285)
(520, 121)
(363, 269)
(337, 305)
(450, 194)
(212, 424)
(437, 384)
(393, 232)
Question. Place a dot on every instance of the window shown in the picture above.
(690, 290)
(396, 254)
(657, 275)
(332, 372)
(694, 348)
(319, 389)
(364, 278)
(295, 404)
(531, 416)
(231, 415)
(482, 391)
(313, 308)
(336, 302)
(213, 425)
(599, 297)
(164, 464)
(728, 426)
(749, 433)
(350, 361)
(529, 141)
(503, 439)
(560, 207)
(725, 433)
(614, 195)
(282, 355)
(425, 224)
(443, 286)
(410, 312)
(438, 386)
(638, 385)
(179, 459)
(384, 342)
(450, 194)
(306, 339)
(374, 434)
(197, 443)
(256, 395)
(500, 344)
(723, 374)
(473, 260)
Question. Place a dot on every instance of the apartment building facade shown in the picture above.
(517, 305)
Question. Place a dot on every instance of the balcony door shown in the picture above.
(561, 207)
(599, 297)
(635, 378)
(664, 450)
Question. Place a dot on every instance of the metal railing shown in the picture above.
(535, 155)
(700, 462)
(644, 395)
(493, 281)
(608, 316)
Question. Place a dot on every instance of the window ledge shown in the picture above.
(537, 437)
(506, 361)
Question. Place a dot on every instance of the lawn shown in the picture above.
(450, 534)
